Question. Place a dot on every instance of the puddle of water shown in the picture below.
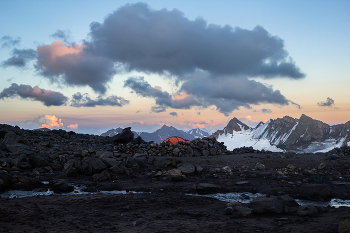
(335, 202)
(248, 197)
(227, 197)
(77, 191)
(233, 197)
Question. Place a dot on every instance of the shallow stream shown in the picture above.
(227, 197)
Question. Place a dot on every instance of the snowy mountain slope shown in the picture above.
(198, 133)
(300, 135)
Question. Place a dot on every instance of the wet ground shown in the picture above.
(165, 206)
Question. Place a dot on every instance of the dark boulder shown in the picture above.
(315, 191)
(91, 166)
(125, 136)
(62, 186)
(39, 160)
(267, 205)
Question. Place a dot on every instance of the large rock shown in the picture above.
(267, 205)
(110, 162)
(125, 136)
(39, 160)
(242, 211)
(69, 168)
(91, 166)
(5, 179)
(62, 186)
(10, 138)
(312, 191)
(22, 161)
(307, 210)
(187, 168)
(205, 187)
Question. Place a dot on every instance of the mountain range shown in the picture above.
(304, 135)
(163, 133)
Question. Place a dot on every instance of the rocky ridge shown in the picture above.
(299, 135)
(158, 136)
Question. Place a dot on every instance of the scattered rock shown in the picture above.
(267, 205)
(187, 169)
(307, 210)
(242, 211)
(62, 186)
(205, 187)
(344, 226)
(311, 191)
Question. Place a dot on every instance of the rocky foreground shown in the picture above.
(164, 175)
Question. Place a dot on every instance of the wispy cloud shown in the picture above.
(20, 58)
(8, 41)
(328, 103)
(84, 100)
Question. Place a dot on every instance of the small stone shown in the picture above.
(234, 204)
(226, 169)
(321, 166)
(344, 226)
(228, 210)
(260, 166)
(307, 210)
(138, 222)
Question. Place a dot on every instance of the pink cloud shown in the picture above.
(72, 126)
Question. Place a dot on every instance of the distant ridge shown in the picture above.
(163, 133)
(299, 135)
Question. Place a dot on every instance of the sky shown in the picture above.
(89, 66)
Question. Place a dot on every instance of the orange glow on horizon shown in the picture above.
(52, 121)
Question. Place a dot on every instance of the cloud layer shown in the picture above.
(47, 97)
(212, 64)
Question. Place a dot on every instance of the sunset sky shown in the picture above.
(90, 66)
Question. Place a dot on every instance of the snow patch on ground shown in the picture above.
(323, 147)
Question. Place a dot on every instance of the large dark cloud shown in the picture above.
(8, 41)
(20, 58)
(47, 97)
(329, 103)
(158, 41)
(73, 66)
(227, 95)
(64, 36)
(83, 100)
